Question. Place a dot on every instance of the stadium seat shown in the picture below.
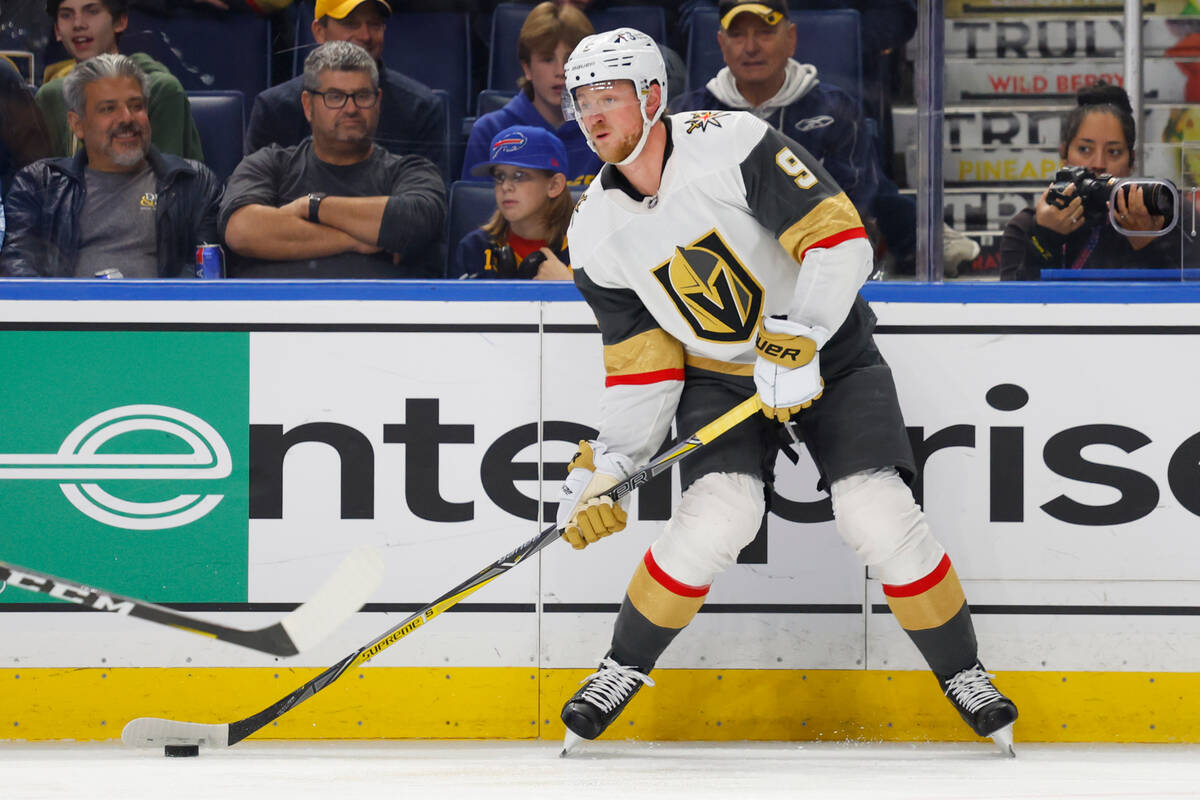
(492, 99)
(24, 61)
(221, 119)
(471, 204)
(650, 20)
(504, 68)
(829, 40)
(206, 51)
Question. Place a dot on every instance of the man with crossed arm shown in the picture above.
(335, 205)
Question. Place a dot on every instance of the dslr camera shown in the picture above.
(1096, 191)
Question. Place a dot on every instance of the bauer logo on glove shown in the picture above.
(585, 513)
(787, 372)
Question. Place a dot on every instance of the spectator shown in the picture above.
(336, 205)
(411, 117)
(23, 136)
(885, 28)
(547, 37)
(526, 236)
(88, 28)
(1099, 134)
(757, 40)
(119, 202)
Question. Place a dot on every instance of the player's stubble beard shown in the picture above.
(616, 152)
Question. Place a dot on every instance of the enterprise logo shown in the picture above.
(79, 464)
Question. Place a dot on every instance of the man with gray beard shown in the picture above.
(119, 204)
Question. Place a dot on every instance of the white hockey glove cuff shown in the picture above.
(585, 513)
(787, 372)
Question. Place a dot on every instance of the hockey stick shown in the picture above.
(343, 593)
(155, 732)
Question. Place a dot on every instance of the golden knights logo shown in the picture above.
(713, 291)
(700, 120)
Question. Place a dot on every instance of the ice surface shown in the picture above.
(609, 770)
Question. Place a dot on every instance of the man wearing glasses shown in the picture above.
(335, 205)
(412, 120)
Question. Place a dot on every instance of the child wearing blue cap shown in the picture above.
(526, 237)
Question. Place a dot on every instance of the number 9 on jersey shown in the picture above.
(794, 167)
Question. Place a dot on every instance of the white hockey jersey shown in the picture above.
(684, 277)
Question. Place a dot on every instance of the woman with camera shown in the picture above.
(1069, 228)
(526, 237)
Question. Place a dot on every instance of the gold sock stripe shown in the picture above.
(931, 608)
(659, 604)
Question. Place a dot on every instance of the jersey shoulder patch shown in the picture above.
(717, 138)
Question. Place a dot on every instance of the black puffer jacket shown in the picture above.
(46, 199)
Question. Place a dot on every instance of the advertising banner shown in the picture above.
(1164, 80)
(125, 460)
(1065, 36)
(228, 471)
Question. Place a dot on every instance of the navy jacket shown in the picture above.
(46, 200)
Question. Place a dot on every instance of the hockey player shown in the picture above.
(721, 261)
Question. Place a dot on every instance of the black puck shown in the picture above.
(181, 750)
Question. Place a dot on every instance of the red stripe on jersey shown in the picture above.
(669, 583)
(921, 585)
(642, 378)
(837, 238)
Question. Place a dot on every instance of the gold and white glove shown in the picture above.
(787, 372)
(585, 513)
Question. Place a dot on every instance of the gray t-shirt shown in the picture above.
(117, 227)
(412, 223)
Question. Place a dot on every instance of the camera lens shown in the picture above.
(1159, 200)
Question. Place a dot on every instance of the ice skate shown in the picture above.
(604, 695)
(981, 706)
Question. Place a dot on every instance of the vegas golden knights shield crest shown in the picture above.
(712, 290)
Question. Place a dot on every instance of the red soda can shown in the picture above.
(210, 261)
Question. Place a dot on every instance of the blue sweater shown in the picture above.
(582, 163)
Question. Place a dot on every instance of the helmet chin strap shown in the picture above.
(647, 124)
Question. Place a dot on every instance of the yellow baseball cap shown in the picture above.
(339, 9)
(769, 11)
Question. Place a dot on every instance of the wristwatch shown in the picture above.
(314, 206)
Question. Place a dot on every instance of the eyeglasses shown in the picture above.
(335, 99)
(517, 177)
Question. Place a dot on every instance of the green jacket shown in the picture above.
(172, 129)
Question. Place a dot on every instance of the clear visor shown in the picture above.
(598, 98)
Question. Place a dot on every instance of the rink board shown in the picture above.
(413, 419)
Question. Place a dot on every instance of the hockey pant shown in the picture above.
(720, 513)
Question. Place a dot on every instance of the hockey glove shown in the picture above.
(787, 372)
(585, 513)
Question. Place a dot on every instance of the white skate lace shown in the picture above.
(972, 689)
(613, 683)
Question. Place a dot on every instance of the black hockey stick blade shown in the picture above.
(342, 594)
(157, 732)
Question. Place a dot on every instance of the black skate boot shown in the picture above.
(981, 706)
(604, 695)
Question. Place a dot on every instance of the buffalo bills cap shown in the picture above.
(525, 146)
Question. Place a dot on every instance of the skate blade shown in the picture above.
(1004, 740)
(569, 742)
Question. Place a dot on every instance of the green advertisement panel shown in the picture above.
(123, 461)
